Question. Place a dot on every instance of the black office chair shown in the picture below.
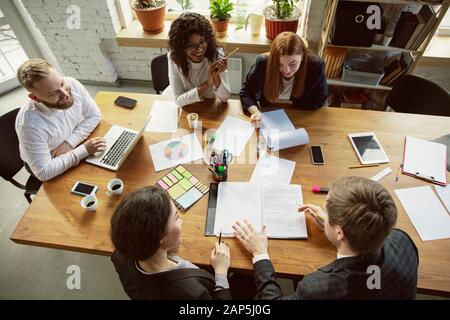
(412, 94)
(10, 161)
(160, 73)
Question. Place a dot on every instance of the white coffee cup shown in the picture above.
(115, 186)
(192, 119)
(89, 202)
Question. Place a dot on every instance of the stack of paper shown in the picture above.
(275, 206)
(427, 214)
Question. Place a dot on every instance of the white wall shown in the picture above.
(91, 52)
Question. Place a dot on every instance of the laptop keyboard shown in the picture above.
(118, 149)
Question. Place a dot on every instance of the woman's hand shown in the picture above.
(220, 258)
(256, 117)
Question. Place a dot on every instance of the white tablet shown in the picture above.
(368, 148)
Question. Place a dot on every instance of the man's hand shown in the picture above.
(255, 242)
(61, 149)
(95, 145)
(220, 258)
(315, 211)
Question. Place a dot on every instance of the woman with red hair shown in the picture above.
(289, 73)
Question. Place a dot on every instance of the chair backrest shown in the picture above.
(10, 161)
(412, 94)
(160, 73)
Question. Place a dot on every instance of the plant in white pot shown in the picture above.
(151, 14)
(220, 14)
(282, 16)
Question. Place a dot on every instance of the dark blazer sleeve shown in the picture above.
(316, 88)
(253, 86)
(266, 284)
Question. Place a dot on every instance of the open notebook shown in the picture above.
(275, 206)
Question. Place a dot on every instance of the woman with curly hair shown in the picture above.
(196, 67)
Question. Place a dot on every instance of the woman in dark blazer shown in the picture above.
(145, 230)
(289, 73)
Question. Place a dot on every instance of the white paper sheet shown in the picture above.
(164, 117)
(444, 194)
(425, 159)
(280, 205)
(169, 153)
(280, 133)
(275, 206)
(233, 135)
(288, 139)
(275, 122)
(270, 169)
(427, 214)
(237, 201)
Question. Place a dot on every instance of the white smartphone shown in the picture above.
(317, 155)
(368, 148)
(84, 189)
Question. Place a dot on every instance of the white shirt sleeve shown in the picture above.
(90, 112)
(35, 147)
(262, 256)
(224, 92)
(182, 97)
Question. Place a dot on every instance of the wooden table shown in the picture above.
(55, 218)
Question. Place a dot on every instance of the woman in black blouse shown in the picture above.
(289, 73)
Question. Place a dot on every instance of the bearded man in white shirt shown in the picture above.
(60, 115)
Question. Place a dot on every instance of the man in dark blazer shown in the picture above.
(374, 261)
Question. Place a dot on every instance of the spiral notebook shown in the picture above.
(425, 160)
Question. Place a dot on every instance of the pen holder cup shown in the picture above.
(221, 176)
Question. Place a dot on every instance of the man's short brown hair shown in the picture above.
(364, 210)
(32, 71)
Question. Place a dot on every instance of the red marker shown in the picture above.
(318, 189)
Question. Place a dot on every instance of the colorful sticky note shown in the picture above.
(189, 198)
(180, 169)
(177, 175)
(167, 181)
(193, 180)
(185, 184)
(163, 185)
(171, 177)
(176, 191)
(187, 174)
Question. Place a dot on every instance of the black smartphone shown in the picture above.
(84, 189)
(317, 155)
(125, 102)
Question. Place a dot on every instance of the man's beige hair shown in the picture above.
(33, 71)
(364, 210)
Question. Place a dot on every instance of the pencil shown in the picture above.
(398, 173)
(228, 55)
(364, 166)
(220, 236)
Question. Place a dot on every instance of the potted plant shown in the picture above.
(282, 16)
(220, 14)
(151, 14)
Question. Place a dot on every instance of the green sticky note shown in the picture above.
(167, 181)
(187, 174)
(180, 169)
(177, 175)
(185, 184)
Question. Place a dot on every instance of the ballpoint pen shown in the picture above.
(220, 236)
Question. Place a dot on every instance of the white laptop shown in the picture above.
(119, 143)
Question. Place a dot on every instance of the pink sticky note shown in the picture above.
(193, 180)
(171, 177)
(163, 185)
